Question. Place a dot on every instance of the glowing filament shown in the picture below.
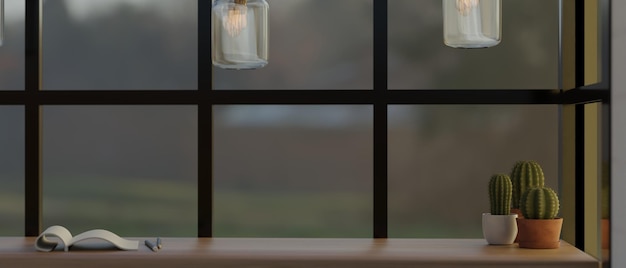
(465, 6)
(236, 19)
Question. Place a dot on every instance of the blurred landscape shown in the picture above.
(279, 170)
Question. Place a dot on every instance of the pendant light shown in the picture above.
(472, 23)
(239, 33)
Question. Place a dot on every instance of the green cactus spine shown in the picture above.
(500, 193)
(525, 175)
(539, 203)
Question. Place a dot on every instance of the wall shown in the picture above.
(618, 113)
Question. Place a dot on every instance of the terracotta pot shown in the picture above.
(518, 212)
(499, 229)
(606, 237)
(541, 234)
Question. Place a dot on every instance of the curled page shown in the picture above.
(46, 242)
(48, 239)
(105, 235)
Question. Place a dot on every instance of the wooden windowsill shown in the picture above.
(293, 252)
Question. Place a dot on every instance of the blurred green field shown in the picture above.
(143, 207)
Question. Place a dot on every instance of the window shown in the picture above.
(293, 170)
(308, 53)
(442, 156)
(12, 60)
(12, 170)
(339, 136)
(132, 169)
(120, 45)
(527, 57)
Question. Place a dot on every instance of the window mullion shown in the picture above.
(205, 121)
(380, 119)
(33, 184)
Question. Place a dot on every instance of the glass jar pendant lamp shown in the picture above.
(239, 34)
(472, 23)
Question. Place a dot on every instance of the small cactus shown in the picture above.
(500, 193)
(539, 203)
(525, 175)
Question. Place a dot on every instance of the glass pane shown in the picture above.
(293, 171)
(527, 57)
(129, 169)
(105, 44)
(605, 185)
(308, 52)
(11, 170)
(442, 157)
(12, 46)
(602, 57)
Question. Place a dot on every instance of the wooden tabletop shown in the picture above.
(293, 252)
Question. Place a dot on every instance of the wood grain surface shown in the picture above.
(294, 252)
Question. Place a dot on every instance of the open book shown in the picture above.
(46, 240)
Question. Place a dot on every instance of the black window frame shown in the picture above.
(33, 98)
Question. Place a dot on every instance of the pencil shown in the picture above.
(150, 245)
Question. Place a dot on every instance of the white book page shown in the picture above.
(49, 239)
(108, 236)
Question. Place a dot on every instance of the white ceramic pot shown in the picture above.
(499, 229)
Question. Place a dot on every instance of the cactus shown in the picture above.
(500, 192)
(539, 203)
(525, 175)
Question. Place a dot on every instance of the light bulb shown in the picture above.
(235, 19)
(465, 6)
